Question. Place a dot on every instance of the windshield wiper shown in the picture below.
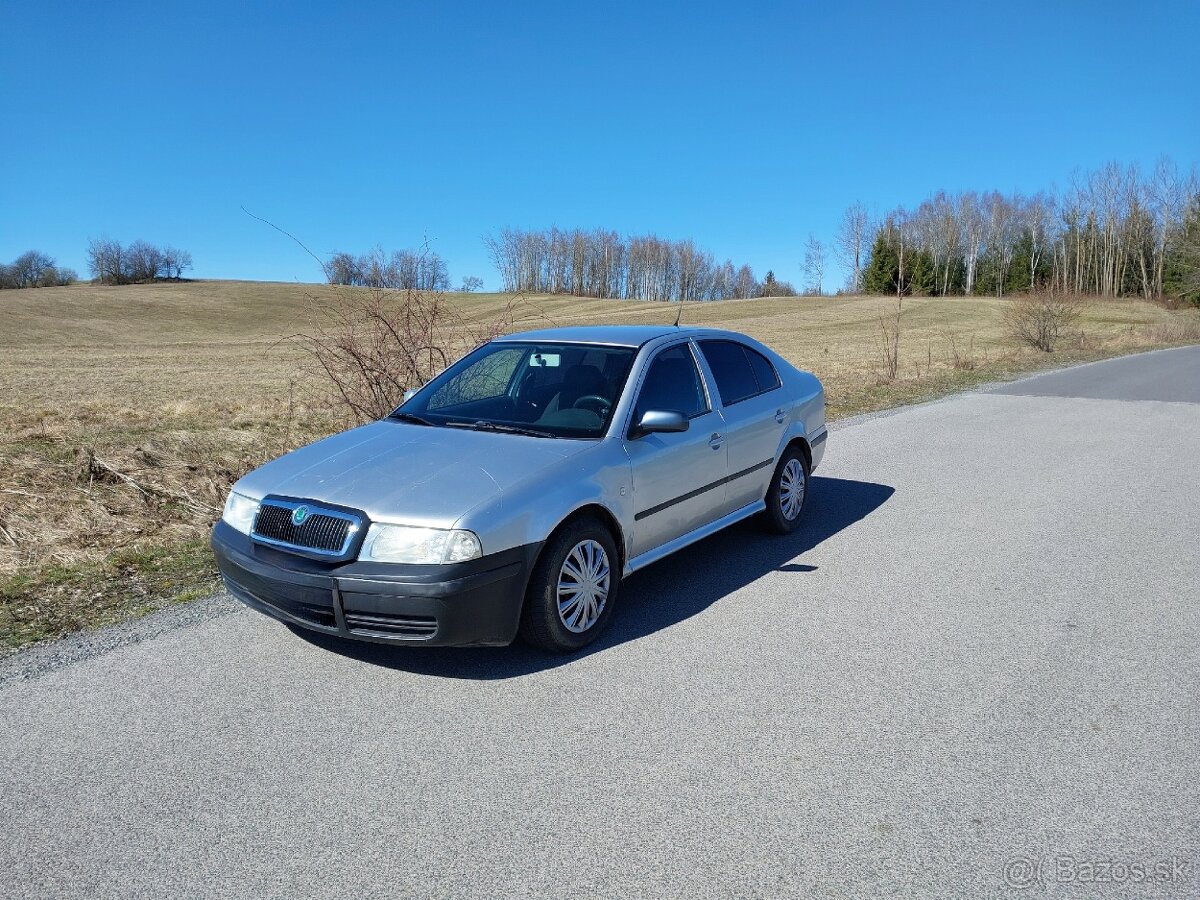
(503, 429)
(409, 417)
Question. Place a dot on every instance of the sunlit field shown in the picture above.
(126, 412)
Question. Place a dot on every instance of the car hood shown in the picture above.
(414, 474)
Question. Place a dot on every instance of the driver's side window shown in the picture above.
(672, 385)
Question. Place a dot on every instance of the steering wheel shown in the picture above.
(602, 403)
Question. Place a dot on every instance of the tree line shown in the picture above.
(1115, 232)
(403, 270)
(111, 262)
(35, 269)
(602, 263)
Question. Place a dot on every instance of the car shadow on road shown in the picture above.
(657, 597)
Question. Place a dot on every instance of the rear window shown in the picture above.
(732, 370)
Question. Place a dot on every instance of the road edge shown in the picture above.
(988, 386)
(36, 660)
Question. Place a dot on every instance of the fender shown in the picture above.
(529, 512)
(807, 419)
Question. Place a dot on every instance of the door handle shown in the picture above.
(780, 415)
(716, 441)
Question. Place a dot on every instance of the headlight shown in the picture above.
(240, 512)
(407, 544)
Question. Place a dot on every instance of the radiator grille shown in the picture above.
(318, 531)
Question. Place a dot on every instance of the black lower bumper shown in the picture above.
(473, 603)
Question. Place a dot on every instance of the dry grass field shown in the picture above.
(126, 412)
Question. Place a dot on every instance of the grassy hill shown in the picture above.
(126, 412)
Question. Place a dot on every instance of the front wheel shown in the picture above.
(572, 589)
(787, 493)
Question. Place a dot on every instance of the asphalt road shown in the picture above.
(980, 659)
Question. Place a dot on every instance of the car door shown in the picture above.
(754, 413)
(679, 478)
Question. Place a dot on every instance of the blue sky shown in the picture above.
(743, 126)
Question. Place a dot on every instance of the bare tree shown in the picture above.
(111, 263)
(999, 215)
(106, 260)
(471, 283)
(973, 226)
(936, 226)
(853, 244)
(601, 263)
(403, 270)
(31, 269)
(744, 283)
(34, 269)
(1036, 220)
(1168, 192)
(176, 262)
(723, 280)
(142, 261)
(1108, 193)
(342, 268)
(814, 266)
(900, 230)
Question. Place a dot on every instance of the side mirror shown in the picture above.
(660, 421)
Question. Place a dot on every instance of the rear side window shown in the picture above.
(732, 370)
(768, 378)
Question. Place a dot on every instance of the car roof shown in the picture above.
(613, 335)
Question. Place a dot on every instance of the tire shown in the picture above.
(783, 515)
(583, 546)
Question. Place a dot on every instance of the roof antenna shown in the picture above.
(680, 313)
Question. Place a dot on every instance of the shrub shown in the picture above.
(368, 346)
(889, 346)
(1041, 319)
(964, 360)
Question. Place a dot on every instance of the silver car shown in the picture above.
(511, 494)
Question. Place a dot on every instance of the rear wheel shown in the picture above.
(788, 492)
(572, 589)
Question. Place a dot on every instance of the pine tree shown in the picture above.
(879, 277)
(1181, 270)
(921, 275)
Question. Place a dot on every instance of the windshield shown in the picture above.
(547, 389)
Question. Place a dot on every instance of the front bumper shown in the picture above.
(473, 603)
